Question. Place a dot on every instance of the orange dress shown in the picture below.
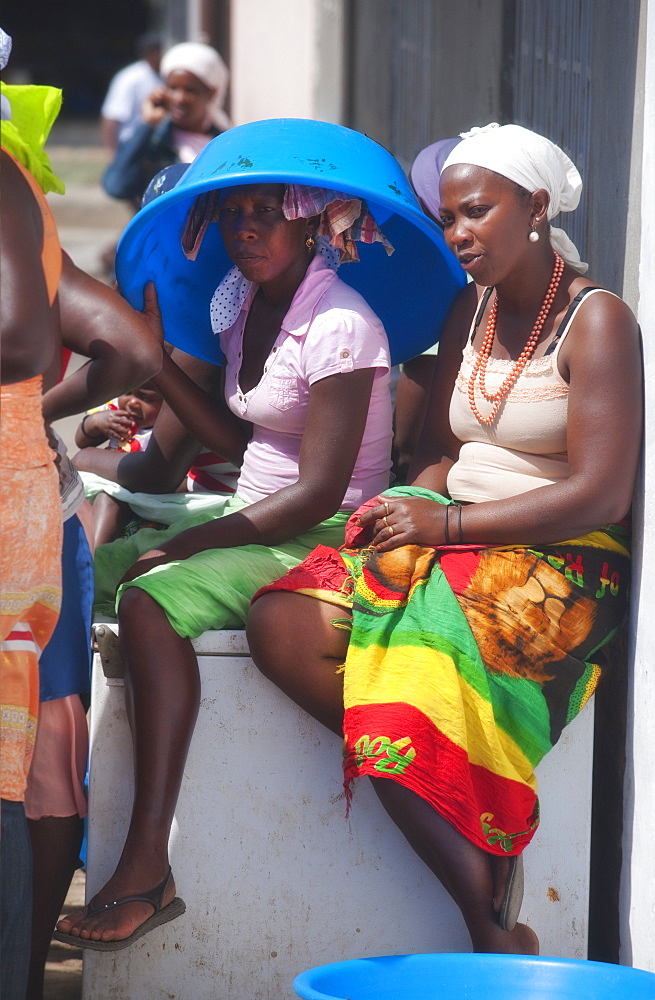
(30, 548)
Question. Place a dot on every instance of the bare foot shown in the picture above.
(521, 941)
(121, 921)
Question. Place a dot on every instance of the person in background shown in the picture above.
(121, 109)
(49, 307)
(415, 376)
(30, 516)
(178, 119)
(55, 799)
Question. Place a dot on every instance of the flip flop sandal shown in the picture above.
(162, 915)
(105, 641)
(509, 911)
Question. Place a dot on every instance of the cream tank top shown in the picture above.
(525, 446)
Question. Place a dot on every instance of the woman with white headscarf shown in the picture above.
(179, 119)
(481, 594)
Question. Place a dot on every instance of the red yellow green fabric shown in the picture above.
(465, 663)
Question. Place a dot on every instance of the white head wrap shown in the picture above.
(5, 48)
(205, 63)
(532, 161)
(5, 52)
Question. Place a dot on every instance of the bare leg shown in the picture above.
(56, 842)
(162, 693)
(295, 646)
(109, 518)
(463, 869)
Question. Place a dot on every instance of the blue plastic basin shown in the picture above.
(473, 977)
(411, 291)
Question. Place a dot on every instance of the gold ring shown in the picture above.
(385, 521)
(390, 527)
(386, 509)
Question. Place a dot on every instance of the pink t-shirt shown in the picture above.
(329, 328)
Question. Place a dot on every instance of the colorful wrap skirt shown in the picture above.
(466, 662)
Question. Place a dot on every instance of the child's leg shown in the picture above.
(109, 517)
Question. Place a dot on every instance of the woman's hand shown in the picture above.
(146, 562)
(406, 521)
(155, 107)
(176, 549)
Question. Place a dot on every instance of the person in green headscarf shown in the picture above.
(46, 302)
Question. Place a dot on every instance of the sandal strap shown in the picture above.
(153, 896)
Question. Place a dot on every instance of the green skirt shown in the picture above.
(211, 589)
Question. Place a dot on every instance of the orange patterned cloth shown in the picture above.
(30, 574)
(30, 546)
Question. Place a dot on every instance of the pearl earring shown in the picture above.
(533, 236)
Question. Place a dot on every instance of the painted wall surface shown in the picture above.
(275, 879)
(638, 882)
(286, 59)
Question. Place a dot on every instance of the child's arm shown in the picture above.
(95, 428)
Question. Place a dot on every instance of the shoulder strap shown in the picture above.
(568, 316)
(484, 298)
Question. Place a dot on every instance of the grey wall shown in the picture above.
(422, 70)
(614, 47)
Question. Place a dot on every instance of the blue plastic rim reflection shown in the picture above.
(463, 977)
(411, 291)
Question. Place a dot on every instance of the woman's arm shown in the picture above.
(206, 417)
(336, 418)
(602, 359)
(171, 449)
(29, 325)
(98, 324)
(438, 448)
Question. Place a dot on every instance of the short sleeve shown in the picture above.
(344, 335)
(117, 105)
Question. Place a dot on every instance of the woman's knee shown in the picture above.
(136, 606)
(285, 629)
(267, 625)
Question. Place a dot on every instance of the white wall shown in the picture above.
(638, 876)
(286, 59)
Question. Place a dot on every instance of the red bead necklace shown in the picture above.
(480, 368)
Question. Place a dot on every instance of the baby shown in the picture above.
(126, 424)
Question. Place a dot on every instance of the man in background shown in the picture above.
(121, 109)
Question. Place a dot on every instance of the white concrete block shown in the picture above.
(275, 879)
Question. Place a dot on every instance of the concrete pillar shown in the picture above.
(286, 59)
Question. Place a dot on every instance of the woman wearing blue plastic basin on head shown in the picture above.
(481, 594)
(308, 419)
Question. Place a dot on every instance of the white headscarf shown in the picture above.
(205, 63)
(534, 162)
